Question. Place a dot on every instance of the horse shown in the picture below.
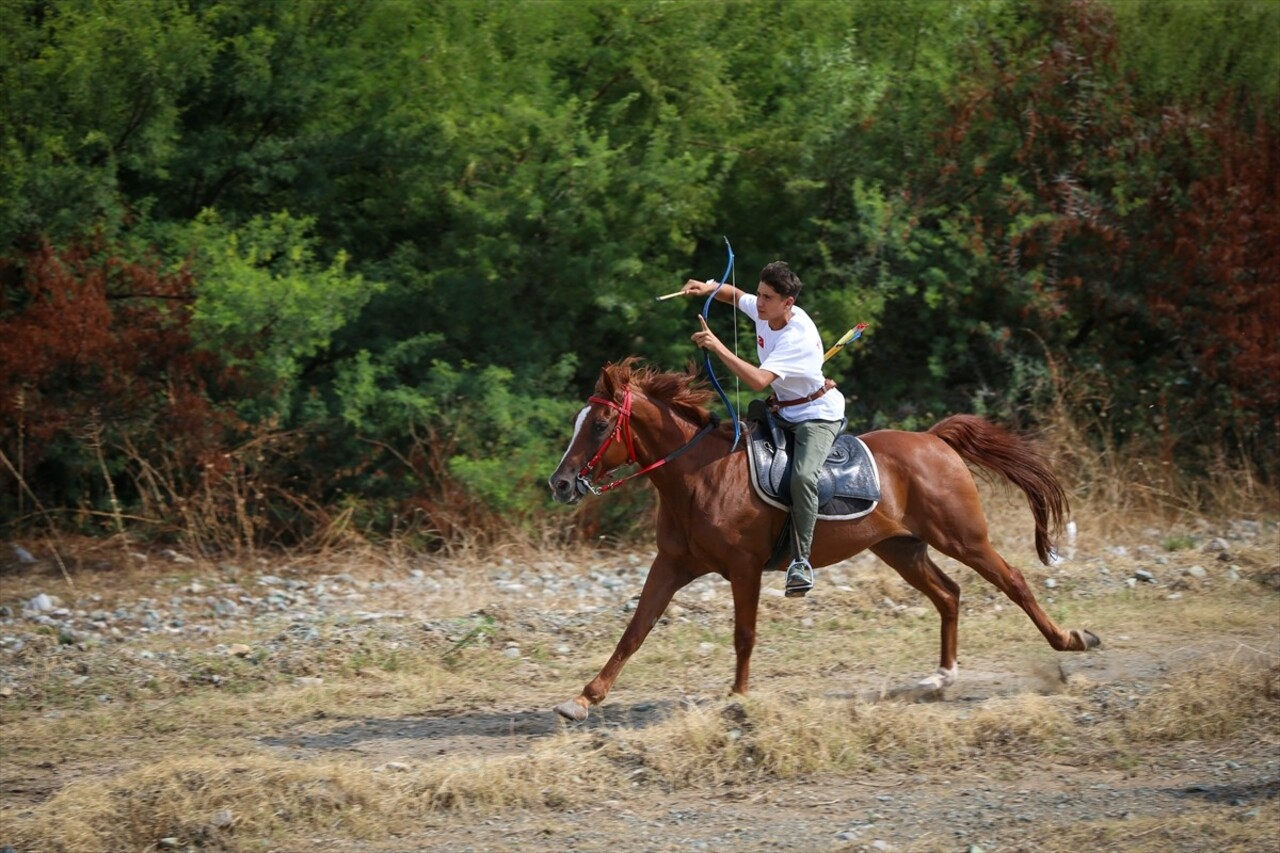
(709, 518)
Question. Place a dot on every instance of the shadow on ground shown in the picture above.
(503, 730)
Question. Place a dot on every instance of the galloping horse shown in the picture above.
(710, 520)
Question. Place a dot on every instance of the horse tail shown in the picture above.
(996, 449)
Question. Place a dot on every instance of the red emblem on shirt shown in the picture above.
(760, 341)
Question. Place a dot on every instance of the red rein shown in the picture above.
(622, 432)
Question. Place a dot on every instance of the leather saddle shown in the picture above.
(848, 485)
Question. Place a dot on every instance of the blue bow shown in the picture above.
(711, 373)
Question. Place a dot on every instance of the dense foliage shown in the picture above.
(274, 270)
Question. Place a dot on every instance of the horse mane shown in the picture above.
(685, 392)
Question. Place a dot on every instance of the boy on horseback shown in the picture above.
(808, 406)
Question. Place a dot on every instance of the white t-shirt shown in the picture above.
(794, 354)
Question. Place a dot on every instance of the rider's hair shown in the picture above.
(780, 277)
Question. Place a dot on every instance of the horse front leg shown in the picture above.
(746, 603)
(661, 584)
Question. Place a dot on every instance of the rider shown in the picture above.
(809, 406)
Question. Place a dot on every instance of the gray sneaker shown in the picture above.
(799, 578)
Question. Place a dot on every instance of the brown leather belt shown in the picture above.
(774, 403)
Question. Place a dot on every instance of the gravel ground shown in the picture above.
(176, 615)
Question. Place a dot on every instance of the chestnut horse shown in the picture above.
(709, 518)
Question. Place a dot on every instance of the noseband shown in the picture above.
(622, 432)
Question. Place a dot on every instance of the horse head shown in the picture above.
(601, 438)
(603, 435)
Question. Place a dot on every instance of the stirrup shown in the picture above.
(799, 578)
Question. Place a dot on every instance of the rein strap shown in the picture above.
(623, 430)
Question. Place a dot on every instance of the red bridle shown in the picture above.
(622, 432)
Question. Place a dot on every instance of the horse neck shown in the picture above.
(658, 429)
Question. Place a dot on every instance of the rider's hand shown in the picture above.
(704, 337)
(693, 287)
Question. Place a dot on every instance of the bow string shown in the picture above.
(711, 373)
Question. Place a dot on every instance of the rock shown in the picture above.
(225, 607)
(1197, 572)
(223, 818)
(307, 681)
(1144, 575)
(23, 555)
(41, 604)
(1215, 545)
(239, 650)
(176, 557)
(1050, 582)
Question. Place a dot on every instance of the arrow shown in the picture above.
(851, 335)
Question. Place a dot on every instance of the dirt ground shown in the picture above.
(1007, 805)
(1187, 794)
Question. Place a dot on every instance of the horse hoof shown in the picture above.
(940, 679)
(572, 711)
(1085, 639)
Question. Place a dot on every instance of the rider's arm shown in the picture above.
(757, 379)
(728, 293)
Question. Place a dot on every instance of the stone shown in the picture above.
(41, 603)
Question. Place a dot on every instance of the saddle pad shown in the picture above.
(848, 485)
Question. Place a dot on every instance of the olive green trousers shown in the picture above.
(813, 440)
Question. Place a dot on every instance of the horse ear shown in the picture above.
(607, 386)
(615, 378)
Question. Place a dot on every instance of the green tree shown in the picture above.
(89, 97)
(266, 305)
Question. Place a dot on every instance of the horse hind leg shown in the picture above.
(986, 561)
(909, 557)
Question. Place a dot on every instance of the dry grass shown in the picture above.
(227, 796)
(1201, 827)
(1213, 701)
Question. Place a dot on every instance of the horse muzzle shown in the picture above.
(568, 490)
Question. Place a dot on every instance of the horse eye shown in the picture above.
(601, 427)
